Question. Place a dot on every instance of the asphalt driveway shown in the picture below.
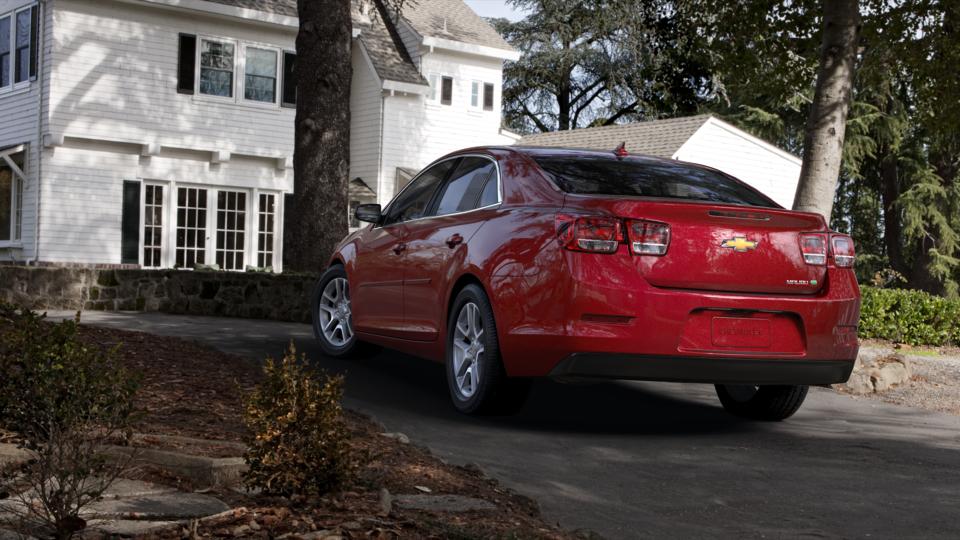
(653, 460)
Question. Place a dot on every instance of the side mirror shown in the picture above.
(369, 213)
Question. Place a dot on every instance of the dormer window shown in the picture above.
(216, 68)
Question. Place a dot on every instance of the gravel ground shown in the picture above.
(934, 384)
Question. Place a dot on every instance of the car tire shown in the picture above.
(769, 403)
(489, 389)
(332, 326)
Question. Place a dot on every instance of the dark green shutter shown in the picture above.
(289, 80)
(34, 40)
(186, 64)
(130, 224)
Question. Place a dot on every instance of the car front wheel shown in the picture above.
(771, 403)
(476, 377)
(332, 316)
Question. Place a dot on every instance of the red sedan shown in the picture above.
(509, 263)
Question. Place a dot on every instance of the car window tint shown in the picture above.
(462, 191)
(491, 193)
(644, 177)
(412, 201)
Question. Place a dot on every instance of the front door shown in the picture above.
(436, 246)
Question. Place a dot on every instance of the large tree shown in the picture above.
(316, 214)
(597, 62)
(823, 142)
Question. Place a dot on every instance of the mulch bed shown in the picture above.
(191, 390)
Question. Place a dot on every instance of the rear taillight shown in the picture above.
(648, 237)
(589, 233)
(842, 249)
(814, 248)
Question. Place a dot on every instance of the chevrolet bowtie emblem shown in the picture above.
(740, 244)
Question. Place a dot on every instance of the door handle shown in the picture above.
(398, 249)
(454, 241)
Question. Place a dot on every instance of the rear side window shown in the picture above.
(463, 191)
(640, 177)
(413, 200)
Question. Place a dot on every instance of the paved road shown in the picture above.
(644, 460)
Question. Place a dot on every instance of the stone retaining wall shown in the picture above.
(283, 297)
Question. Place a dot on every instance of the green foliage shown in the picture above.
(63, 400)
(300, 443)
(909, 316)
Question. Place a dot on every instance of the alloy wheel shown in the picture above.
(334, 311)
(468, 350)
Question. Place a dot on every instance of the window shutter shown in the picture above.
(446, 91)
(289, 98)
(186, 66)
(34, 40)
(487, 97)
(130, 224)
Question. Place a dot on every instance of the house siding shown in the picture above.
(418, 131)
(365, 120)
(20, 115)
(771, 172)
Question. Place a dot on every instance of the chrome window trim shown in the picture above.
(499, 202)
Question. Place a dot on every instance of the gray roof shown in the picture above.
(451, 19)
(387, 53)
(654, 138)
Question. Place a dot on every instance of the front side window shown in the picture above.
(17, 46)
(231, 228)
(216, 68)
(260, 77)
(191, 227)
(266, 214)
(462, 192)
(152, 226)
(645, 177)
(412, 201)
(11, 189)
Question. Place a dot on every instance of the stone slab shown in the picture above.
(160, 507)
(444, 503)
(129, 527)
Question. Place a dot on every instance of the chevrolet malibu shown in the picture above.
(510, 263)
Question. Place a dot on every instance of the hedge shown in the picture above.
(909, 316)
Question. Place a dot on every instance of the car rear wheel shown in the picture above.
(476, 377)
(332, 316)
(772, 403)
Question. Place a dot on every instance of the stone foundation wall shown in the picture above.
(283, 297)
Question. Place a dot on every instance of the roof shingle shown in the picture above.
(660, 138)
(451, 19)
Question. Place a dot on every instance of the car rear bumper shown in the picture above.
(702, 370)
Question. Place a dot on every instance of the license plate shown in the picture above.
(740, 332)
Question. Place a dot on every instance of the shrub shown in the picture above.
(299, 443)
(63, 400)
(909, 316)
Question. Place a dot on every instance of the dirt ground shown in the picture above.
(190, 390)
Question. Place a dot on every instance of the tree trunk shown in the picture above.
(316, 214)
(823, 142)
(892, 225)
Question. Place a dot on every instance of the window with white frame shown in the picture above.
(191, 227)
(217, 60)
(18, 31)
(266, 215)
(231, 228)
(260, 74)
(153, 226)
(475, 87)
(11, 192)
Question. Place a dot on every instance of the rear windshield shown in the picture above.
(638, 177)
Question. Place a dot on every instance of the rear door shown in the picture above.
(435, 245)
(382, 255)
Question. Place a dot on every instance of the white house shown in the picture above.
(703, 139)
(159, 133)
